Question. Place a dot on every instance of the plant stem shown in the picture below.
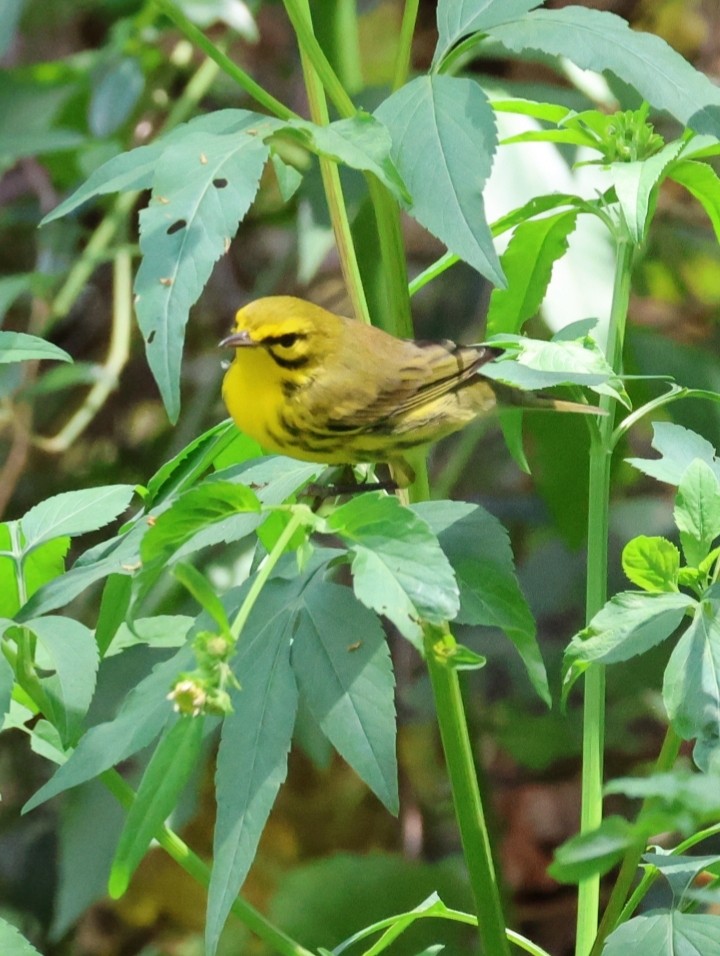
(176, 848)
(298, 12)
(617, 911)
(228, 67)
(299, 517)
(466, 793)
(315, 65)
(404, 52)
(596, 595)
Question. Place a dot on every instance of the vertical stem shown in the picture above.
(299, 12)
(466, 793)
(407, 28)
(596, 595)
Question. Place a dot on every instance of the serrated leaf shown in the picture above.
(134, 169)
(139, 721)
(13, 943)
(636, 187)
(528, 264)
(343, 666)
(601, 41)
(702, 182)
(691, 687)
(68, 648)
(44, 563)
(669, 933)
(459, 18)
(360, 142)
(399, 569)
(203, 186)
(652, 563)
(478, 548)
(119, 555)
(252, 758)
(204, 505)
(678, 448)
(444, 140)
(169, 769)
(159, 631)
(21, 347)
(73, 513)
(629, 624)
(697, 511)
(593, 853)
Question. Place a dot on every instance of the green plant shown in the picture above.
(294, 633)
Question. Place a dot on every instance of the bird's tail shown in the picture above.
(529, 400)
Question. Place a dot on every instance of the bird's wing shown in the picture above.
(401, 377)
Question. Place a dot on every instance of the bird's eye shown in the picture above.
(288, 340)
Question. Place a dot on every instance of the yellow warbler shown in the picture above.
(319, 387)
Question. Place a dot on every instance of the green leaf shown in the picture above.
(7, 682)
(119, 555)
(679, 870)
(527, 264)
(630, 623)
(12, 943)
(593, 853)
(399, 569)
(202, 188)
(115, 94)
(73, 513)
(695, 794)
(600, 41)
(134, 170)
(702, 182)
(534, 363)
(199, 586)
(140, 719)
(159, 631)
(343, 667)
(478, 549)
(678, 448)
(669, 933)
(172, 763)
(457, 19)
(68, 648)
(652, 563)
(636, 187)
(189, 463)
(691, 687)
(288, 177)
(252, 758)
(114, 605)
(697, 511)
(11, 288)
(20, 347)
(360, 142)
(444, 140)
(43, 564)
(206, 504)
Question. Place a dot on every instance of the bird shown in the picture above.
(319, 387)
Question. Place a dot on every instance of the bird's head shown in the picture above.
(295, 333)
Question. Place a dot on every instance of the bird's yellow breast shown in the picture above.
(252, 390)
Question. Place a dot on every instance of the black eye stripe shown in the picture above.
(285, 341)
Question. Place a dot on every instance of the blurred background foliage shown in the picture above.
(84, 80)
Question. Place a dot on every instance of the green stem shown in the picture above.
(315, 65)
(466, 793)
(404, 52)
(617, 911)
(394, 315)
(176, 848)
(298, 519)
(228, 67)
(298, 12)
(596, 595)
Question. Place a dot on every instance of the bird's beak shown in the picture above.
(237, 340)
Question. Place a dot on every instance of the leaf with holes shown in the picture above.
(203, 187)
